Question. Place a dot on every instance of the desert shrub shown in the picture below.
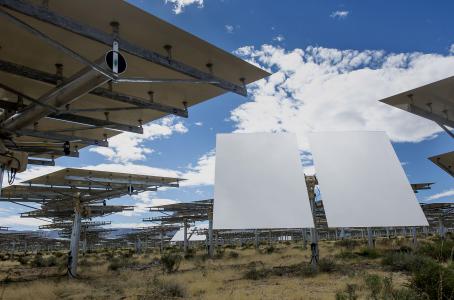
(233, 254)
(171, 289)
(190, 253)
(120, 262)
(398, 261)
(116, 263)
(326, 265)
(441, 250)
(368, 252)
(347, 243)
(270, 250)
(433, 281)
(23, 260)
(219, 253)
(256, 273)
(346, 255)
(374, 285)
(163, 289)
(39, 261)
(171, 262)
(382, 288)
(230, 246)
(350, 293)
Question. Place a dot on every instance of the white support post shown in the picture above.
(185, 243)
(413, 233)
(425, 230)
(442, 230)
(370, 238)
(2, 171)
(139, 246)
(210, 234)
(75, 237)
(311, 181)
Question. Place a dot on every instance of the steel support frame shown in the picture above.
(45, 15)
(61, 137)
(370, 238)
(118, 181)
(210, 234)
(74, 246)
(2, 172)
(52, 79)
(185, 239)
(311, 181)
(431, 116)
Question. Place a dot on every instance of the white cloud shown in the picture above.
(279, 38)
(229, 28)
(179, 5)
(451, 49)
(339, 14)
(440, 195)
(128, 147)
(198, 124)
(202, 173)
(17, 221)
(316, 89)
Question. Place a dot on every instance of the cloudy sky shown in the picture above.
(331, 63)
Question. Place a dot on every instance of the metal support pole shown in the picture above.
(161, 244)
(84, 245)
(256, 233)
(185, 243)
(2, 171)
(387, 232)
(75, 237)
(370, 238)
(311, 181)
(413, 234)
(304, 238)
(139, 246)
(210, 234)
(442, 230)
(425, 230)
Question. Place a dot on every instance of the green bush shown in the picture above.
(398, 261)
(369, 253)
(163, 289)
(433, 281)
(270, 249)
(326, 265)
(171, 262)
(374, 285)
(23, 260)
(190, 253)
(346, 255)
(256, 273)
(39, 261)
(349, 293)
(441, 250)
(347, 243)
(117, 263)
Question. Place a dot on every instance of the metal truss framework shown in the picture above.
(76, 194)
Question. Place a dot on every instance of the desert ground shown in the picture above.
(395, 269)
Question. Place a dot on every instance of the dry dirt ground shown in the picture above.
(226, 277)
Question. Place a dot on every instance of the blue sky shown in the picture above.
(332, 61)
